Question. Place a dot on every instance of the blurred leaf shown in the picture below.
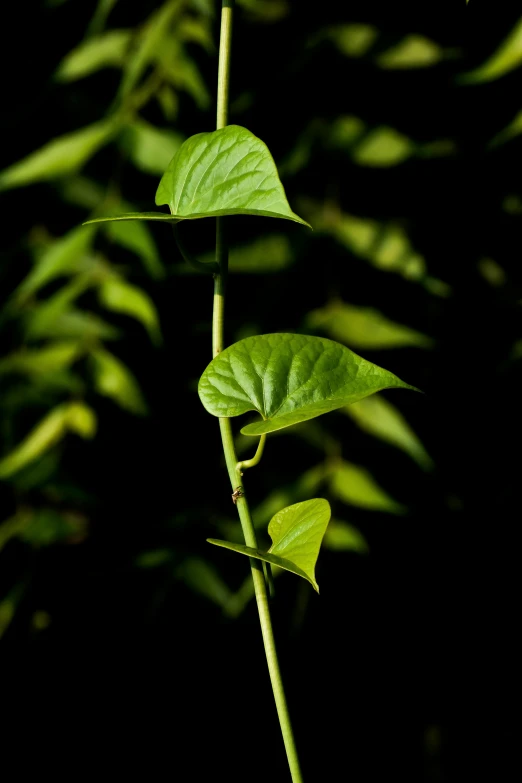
(511, 131)
(154, 558)
(353, 40)
(266, 10)
(296, 533)
(13, 527)
(73, 324)
(381, 419)
(49, 359)
(198, 31)
(136, 237)
(356, 486)
(263, 255)
(47, 526)
(73, 416)
(288, 378)
(121, 297)
(42, 318)
(155, 29)
(113, 379)
(60, 157)
(9, 605)
(239, 600)
(99, 18)
(151, 149)
(83, 192)
(345, 130)
(64, 257)
(364, 327)
(81, 419)
(107, 50)
(414, 51)
(383, 147)
(203, 578)
(168, 100)
(182, 72)
(492, 272)
(385, 245)
(197, 182)
(343, 537)
(506, 58)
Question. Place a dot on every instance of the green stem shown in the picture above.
(226, 428)
(256, 459)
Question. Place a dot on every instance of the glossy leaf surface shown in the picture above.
(296, 533)
(288, 378)
(227, 172)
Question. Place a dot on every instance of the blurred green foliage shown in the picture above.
(396, 140)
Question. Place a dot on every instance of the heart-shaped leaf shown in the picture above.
(288, 378)
(227, 172)
(296, 533)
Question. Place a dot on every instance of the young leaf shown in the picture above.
(296, 533)
(227, 172)
(288, 378)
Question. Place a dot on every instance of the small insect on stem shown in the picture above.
(237, 493)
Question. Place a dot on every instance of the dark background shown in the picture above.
(407, 664)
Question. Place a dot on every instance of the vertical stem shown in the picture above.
(226, 428)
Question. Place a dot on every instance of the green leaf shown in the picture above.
(64, 257)
(122, 297)
(137, 238)
(356, 486)
(364, 327)
(41, 361)
(343, 537)
(114, 379)
(150, 149)
(381, 419)
(383, 147)
(60, 157)
(227, 172)
(107, 50)
(414, 51)
(203, 578)
(353, 40)
(152, 35)
(74, 416)
(296, 533)
(507, 57)
(72, 324)
(288, 378)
